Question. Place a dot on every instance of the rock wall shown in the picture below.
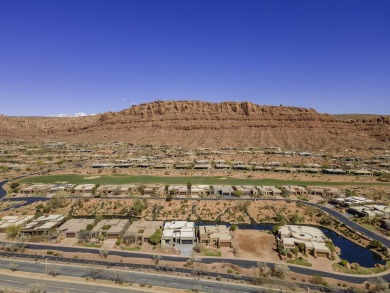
(196, 124)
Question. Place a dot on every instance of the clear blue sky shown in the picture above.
(96, 56)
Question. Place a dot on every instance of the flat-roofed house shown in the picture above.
(370, 211)
(38, 188)
(245, 190)
(295, 190)
(178, 190)
(363, 173)
(127, 189)
(313, 239)
(183, 165)
(43, 224)
(72, 227)
(141, 231)
(221, 165)
(106, 190)
(217, 235)
(262, 168)
(8, 221)
(269, 191)
(65, 187)
(352, 201)
(202, 165)
(325, 191)
(222, 190)
(154, 190)
(238, 165)
(200, 190)
(84, 189)
(178, 232)
(110, 228)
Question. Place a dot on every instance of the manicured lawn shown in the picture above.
(209, 180)
(360, 270)
(210, 251)
(131, 248)
(299, 262)
(369, 227)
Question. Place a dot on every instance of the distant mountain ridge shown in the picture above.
(81, 114)
(197, 124)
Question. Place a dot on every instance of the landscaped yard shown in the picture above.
(210, 251)
(300, 262)
(210, 180)
(361, 270)
(131, 248)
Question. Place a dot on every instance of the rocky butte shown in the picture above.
(204, 124)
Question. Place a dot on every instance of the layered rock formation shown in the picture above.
(197, 124)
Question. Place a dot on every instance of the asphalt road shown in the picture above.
(241, 263)
(3, 192)
(20, 284)
(343, 219)
(147, 279)
(356, 279)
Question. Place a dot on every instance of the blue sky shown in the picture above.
(97, 56)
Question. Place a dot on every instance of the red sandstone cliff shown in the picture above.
(195, 123)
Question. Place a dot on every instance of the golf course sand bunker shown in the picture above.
(91, 177)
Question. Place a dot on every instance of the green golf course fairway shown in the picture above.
(208, 180)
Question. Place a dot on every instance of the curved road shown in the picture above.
(340, 217)
(242, 263)
(162, 280)
(206, 260)
(353, 225)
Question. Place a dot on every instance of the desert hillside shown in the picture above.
(203, 124)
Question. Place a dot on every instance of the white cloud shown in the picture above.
(80, 114)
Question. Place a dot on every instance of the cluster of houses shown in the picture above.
(235, 165)
(177, 190)
(173, 232)
(363, 207)
(18, 156)
(313, 239)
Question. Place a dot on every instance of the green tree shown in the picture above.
(56, 202)
(302, 248)
(14, 185)
(156, 237)
(376, 244)
(93, 191)
(83, 236)
(169, 197)
(189, 185)
(295, 219)
(139, 206)
(13, 231)
(275, 229)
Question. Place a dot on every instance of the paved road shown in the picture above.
(343, 219)
(20, 284)
(167, 281)
(356, 279)
(241, 263)
(3, 192)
